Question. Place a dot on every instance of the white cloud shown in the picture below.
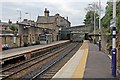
(52, 1)
(74, 9)
(0, 11)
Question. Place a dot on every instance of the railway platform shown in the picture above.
(88, 62)
(26, 51)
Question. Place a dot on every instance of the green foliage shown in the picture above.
(13, 27)
(108, 15)
(118, 17)
(106, 21)
(89, 18)
(109, 44)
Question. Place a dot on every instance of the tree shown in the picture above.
(108, 15)
(106, 20)
(118, 17)
(13, 27)
(89, 17)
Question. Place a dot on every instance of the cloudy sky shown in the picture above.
(74, 9)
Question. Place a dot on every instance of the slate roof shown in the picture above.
(4, 23)
(27, 23)
(43, 19)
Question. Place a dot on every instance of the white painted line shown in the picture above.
(68, 69)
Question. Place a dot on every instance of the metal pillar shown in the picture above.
(28, 14)
(99, 25)
(20, 15)
(114, 40)
(94, 21)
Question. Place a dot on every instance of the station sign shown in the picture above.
(112, 22)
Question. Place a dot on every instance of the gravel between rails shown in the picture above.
(35, 74)
(53, 70)
(27, 69)
(10, 66)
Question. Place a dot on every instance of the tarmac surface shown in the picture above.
(17, 52)
(98, 63)
(87, 63)
(26, 48)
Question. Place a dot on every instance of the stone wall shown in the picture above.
(104, 41)
(118, 58)
(53, 27)
(47, 25)
(118, 52)
(29, 35)
(10, 41)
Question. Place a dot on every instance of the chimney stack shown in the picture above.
(46, 12)
(9, 21)
(57, 14)
(67, 17)
(16, 22)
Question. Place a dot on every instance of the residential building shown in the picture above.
(7, 35)
(52, 23)
(28, 32)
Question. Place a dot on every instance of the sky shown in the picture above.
(73, 9)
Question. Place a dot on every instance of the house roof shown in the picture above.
(78, 26)
(4, 23)
(43, 19)
(27, 22)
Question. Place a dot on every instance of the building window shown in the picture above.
(61, 20)
(5, 28)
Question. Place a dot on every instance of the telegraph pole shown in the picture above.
(20, 14)
(94, 20)
(114, 40)
(94, 7)
(28, 14)
(99, 25)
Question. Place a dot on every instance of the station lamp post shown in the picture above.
(94, 20)
(99, 25)
(28, 14)
(94, 7)
(19, 20)
(20, 15)
(31, 36)
(114, 40)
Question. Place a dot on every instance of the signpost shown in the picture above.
(113, 25)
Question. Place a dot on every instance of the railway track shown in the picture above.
(36, 53)
(26, 67)
(50, 72)
(40, 52)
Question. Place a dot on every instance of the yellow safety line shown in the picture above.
(79, 72)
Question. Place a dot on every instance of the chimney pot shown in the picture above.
(57, 14)
(46, 12)
(67, 17)
(9, 21)
(25, 20)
